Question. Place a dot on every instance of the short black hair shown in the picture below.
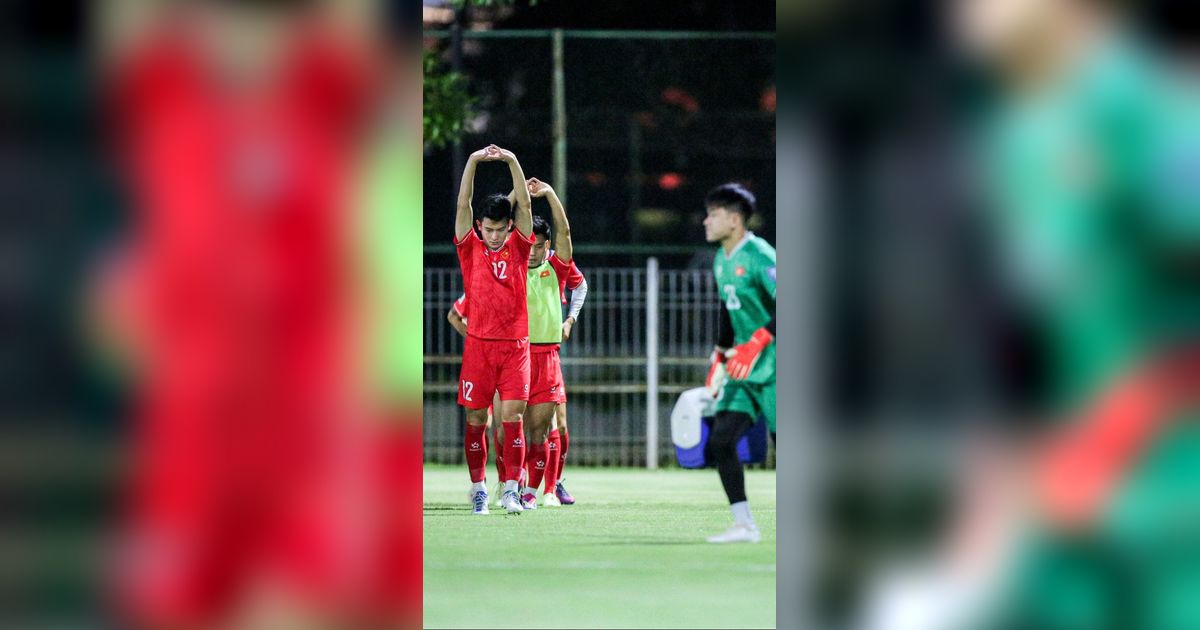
(733, 197)
(496, 207)
(541, 227)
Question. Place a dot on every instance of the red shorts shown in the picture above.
(491, 365)
(546, 381)
(209, 517)
(394, 589)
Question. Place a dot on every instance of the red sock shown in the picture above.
(535, 462)
(475, 446)
(498, 443)
(553, 448)
(514, 450)
(562, 452)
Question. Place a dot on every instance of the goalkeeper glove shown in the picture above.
(716, 373)
(743, 357)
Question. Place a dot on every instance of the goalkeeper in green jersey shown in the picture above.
(742, 375)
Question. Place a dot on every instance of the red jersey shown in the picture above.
(494, 282)
(570, 277)
(241, 204)
(240, 200)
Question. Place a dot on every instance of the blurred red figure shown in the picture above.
(237, 130)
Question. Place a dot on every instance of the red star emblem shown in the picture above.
(740, 271)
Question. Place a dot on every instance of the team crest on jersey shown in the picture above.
(504, 254)
(740, 271)
(546, 273)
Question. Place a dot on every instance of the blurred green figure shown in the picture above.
(1092, 161)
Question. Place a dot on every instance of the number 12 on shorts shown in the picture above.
(467, 387)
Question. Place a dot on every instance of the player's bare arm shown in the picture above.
(524, 208)
(457, 322)
(558, 217)
(465, 218)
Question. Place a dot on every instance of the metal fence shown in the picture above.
(621, 381)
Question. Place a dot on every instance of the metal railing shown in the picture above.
(621, 381)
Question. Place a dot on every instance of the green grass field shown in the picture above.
(630, 554)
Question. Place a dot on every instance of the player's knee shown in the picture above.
(727, 429)
(478, 417)
(538, 425)
(721, 444)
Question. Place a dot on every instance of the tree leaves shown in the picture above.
(447, 103)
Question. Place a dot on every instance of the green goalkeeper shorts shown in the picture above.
(753, 399)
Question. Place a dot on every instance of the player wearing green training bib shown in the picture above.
(742, 375)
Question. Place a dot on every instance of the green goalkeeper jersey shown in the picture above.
(1068, 178)
(746, 283)
(1099, 199)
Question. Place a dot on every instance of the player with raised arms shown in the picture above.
(496, 352)
(550, 272)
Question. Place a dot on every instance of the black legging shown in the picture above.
(728, 428)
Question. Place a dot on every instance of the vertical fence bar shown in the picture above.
(560, 119)
(652, 363)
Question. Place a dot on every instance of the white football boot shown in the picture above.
(511, 502)
(739, 533)
(479, 502)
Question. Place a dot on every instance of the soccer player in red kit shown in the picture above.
(496, 352)
(236, 127)
(547, 391)
(549, 273)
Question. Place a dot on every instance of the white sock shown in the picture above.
(476, 487)
(741, 513)
(510, 485)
